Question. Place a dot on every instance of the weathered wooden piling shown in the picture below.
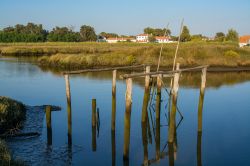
(114, 82)
(68, 95)
(201, 98)
(147, 78)
(127, 119)
(174, 107)
(113, 118)
(67, 88)
(93, 112)
(48, 124)
(157, 117)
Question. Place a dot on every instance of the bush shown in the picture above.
(231, 54)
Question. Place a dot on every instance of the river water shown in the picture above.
(225, 131)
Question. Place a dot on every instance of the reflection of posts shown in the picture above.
(199, 158)
(127, 119)
(48, 124)
(174, 108)
(68, 109)
(171, 154)
(145, 142)
(113, 147)
(157, 115)
(94, 124)
(113, 101)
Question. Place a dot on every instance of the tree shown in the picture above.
(232, 35)
(220, 36)
(185, 35)
(157, 31)
(87, 33)
(197, 37)
(108, 35)
(151, 39)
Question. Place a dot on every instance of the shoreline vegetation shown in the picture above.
(12, 114)
(81, 55)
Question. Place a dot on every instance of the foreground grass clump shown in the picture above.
(12, 113)
(6, 158)
(86, 55)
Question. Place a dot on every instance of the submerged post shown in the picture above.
(174, 108)
(68, 109)
(127, 119)
(145, 142)
(113, 101)
(201, 99)
(48, 124)
(146, 96)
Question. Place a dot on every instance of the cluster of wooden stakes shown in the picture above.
(149, 76)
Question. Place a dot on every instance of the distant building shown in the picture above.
(244, 40)
(142, 38)
(120, 39)
(162, 39)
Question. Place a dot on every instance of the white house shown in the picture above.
(244, 40)
(162, 39)
(120, 39)
(142, 38)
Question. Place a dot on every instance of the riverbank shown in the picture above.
(72, 56)
(12, 114)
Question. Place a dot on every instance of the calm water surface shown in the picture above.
(226, 116)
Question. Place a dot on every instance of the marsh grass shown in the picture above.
(92, 54)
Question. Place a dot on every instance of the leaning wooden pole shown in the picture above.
(201, 99)
(94, 125)
(157, 116)
(127, 119)
(113, 118)
(174, 108)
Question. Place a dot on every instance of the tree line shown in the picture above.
(36, 33)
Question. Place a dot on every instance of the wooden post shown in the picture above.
(68, 95)
(171, 154)
(48, 124)
(114, 82)
(201, 99)
(67, 88)
(93, 112)
(93, 138)
(157, 116)
(113, 118)
(127, 119)
(147, 78)
(174, 107)
(145, 105)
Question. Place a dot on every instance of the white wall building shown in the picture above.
(142, 38)
(162, 39)
(244, 40)
(120, 39)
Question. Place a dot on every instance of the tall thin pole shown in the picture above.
(159, 60)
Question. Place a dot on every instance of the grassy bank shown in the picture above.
(85, 55)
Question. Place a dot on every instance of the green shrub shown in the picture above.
(231, 54)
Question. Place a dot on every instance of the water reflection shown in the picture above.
(48, 123)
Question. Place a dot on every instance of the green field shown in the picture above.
(87, 55)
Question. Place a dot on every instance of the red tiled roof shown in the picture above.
(162, 38)
(245, 39)
(121, 38)
(142, 35)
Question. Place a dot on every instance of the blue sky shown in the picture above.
(130, 16)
